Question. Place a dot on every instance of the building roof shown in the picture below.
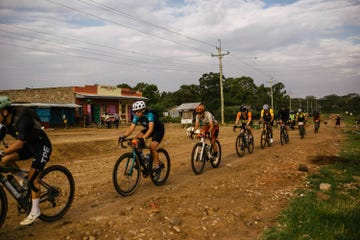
(47, 105)
(187, 106)
(89, 95)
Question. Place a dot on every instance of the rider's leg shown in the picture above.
(153, 146)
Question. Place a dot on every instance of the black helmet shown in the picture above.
(243, 108)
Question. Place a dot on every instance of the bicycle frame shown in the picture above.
(136, 151)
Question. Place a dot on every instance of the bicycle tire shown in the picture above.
(215, 162)
(302, 131)
(282, 137)
(59, 186)
(240, 146)
(164, 159)
(126, 184)
(3, 206)
(197, 161)
(263, 139)
(250, 143)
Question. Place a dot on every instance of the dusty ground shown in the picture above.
(238, 200)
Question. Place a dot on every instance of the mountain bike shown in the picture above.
(265, 135)
(301, 129)
(57, 192)
(284, 136)
(127, 169)
(245, 140)
(202, 152)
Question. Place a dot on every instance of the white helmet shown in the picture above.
(139, 105)
(266, 107)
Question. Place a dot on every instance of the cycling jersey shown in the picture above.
(244, 117)
(300, 117)
(206, 118)
(150, 116)
(268, 115)
(26, 126)
(283, 115)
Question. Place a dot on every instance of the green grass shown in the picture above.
(332, 214)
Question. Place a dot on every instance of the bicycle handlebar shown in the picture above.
(137, 142)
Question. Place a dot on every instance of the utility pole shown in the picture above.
(220, 56)
(271, 92)
(290, 92)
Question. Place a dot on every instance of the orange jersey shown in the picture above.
(243, 117)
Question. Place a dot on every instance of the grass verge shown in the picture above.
(330, 208)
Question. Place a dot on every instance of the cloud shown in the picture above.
(310, 46)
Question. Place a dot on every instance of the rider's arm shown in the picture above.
(237, 118)
(15, 147)
(197, 123)
(130, 130)
(150, 130)
(249, 119)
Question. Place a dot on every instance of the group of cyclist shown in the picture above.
(245, 117)
(24, 125)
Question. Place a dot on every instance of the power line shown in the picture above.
(122, 25)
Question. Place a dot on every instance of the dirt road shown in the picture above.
(238, 200)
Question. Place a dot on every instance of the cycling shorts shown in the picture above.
(39, 151)
(157, 135)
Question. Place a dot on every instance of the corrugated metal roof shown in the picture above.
(187, 106)
(89, 95)
(46, 105)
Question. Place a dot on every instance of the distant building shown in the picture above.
(186, 112)
(81, 105)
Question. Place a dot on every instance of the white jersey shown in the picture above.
(206, 118)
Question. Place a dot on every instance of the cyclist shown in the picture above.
(245, 117)
(267, 115)
(338, 119)
(209, 125)
(300, 115)
(31, 141)
(153, 128)
(284, 116)
(292, 119)
(316, 119)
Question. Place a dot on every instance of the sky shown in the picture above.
(311, 46)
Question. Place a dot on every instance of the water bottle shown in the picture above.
(13, 186)
(142, 157)
(147, 159)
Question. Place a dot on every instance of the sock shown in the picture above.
(35, 205)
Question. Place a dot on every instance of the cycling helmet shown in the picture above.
(200, 108)
(139, 105)
(266, 107)
(4, 102)
(300, 109)
(243, 108)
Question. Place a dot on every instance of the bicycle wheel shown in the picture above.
(3, 206)
(301, 131)
(164, 159)
(263, 139)
(126, 177)
(198, 160)
(240, 146)
(282, 137)
(250, 143)
(57, 192)
(215, 160)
